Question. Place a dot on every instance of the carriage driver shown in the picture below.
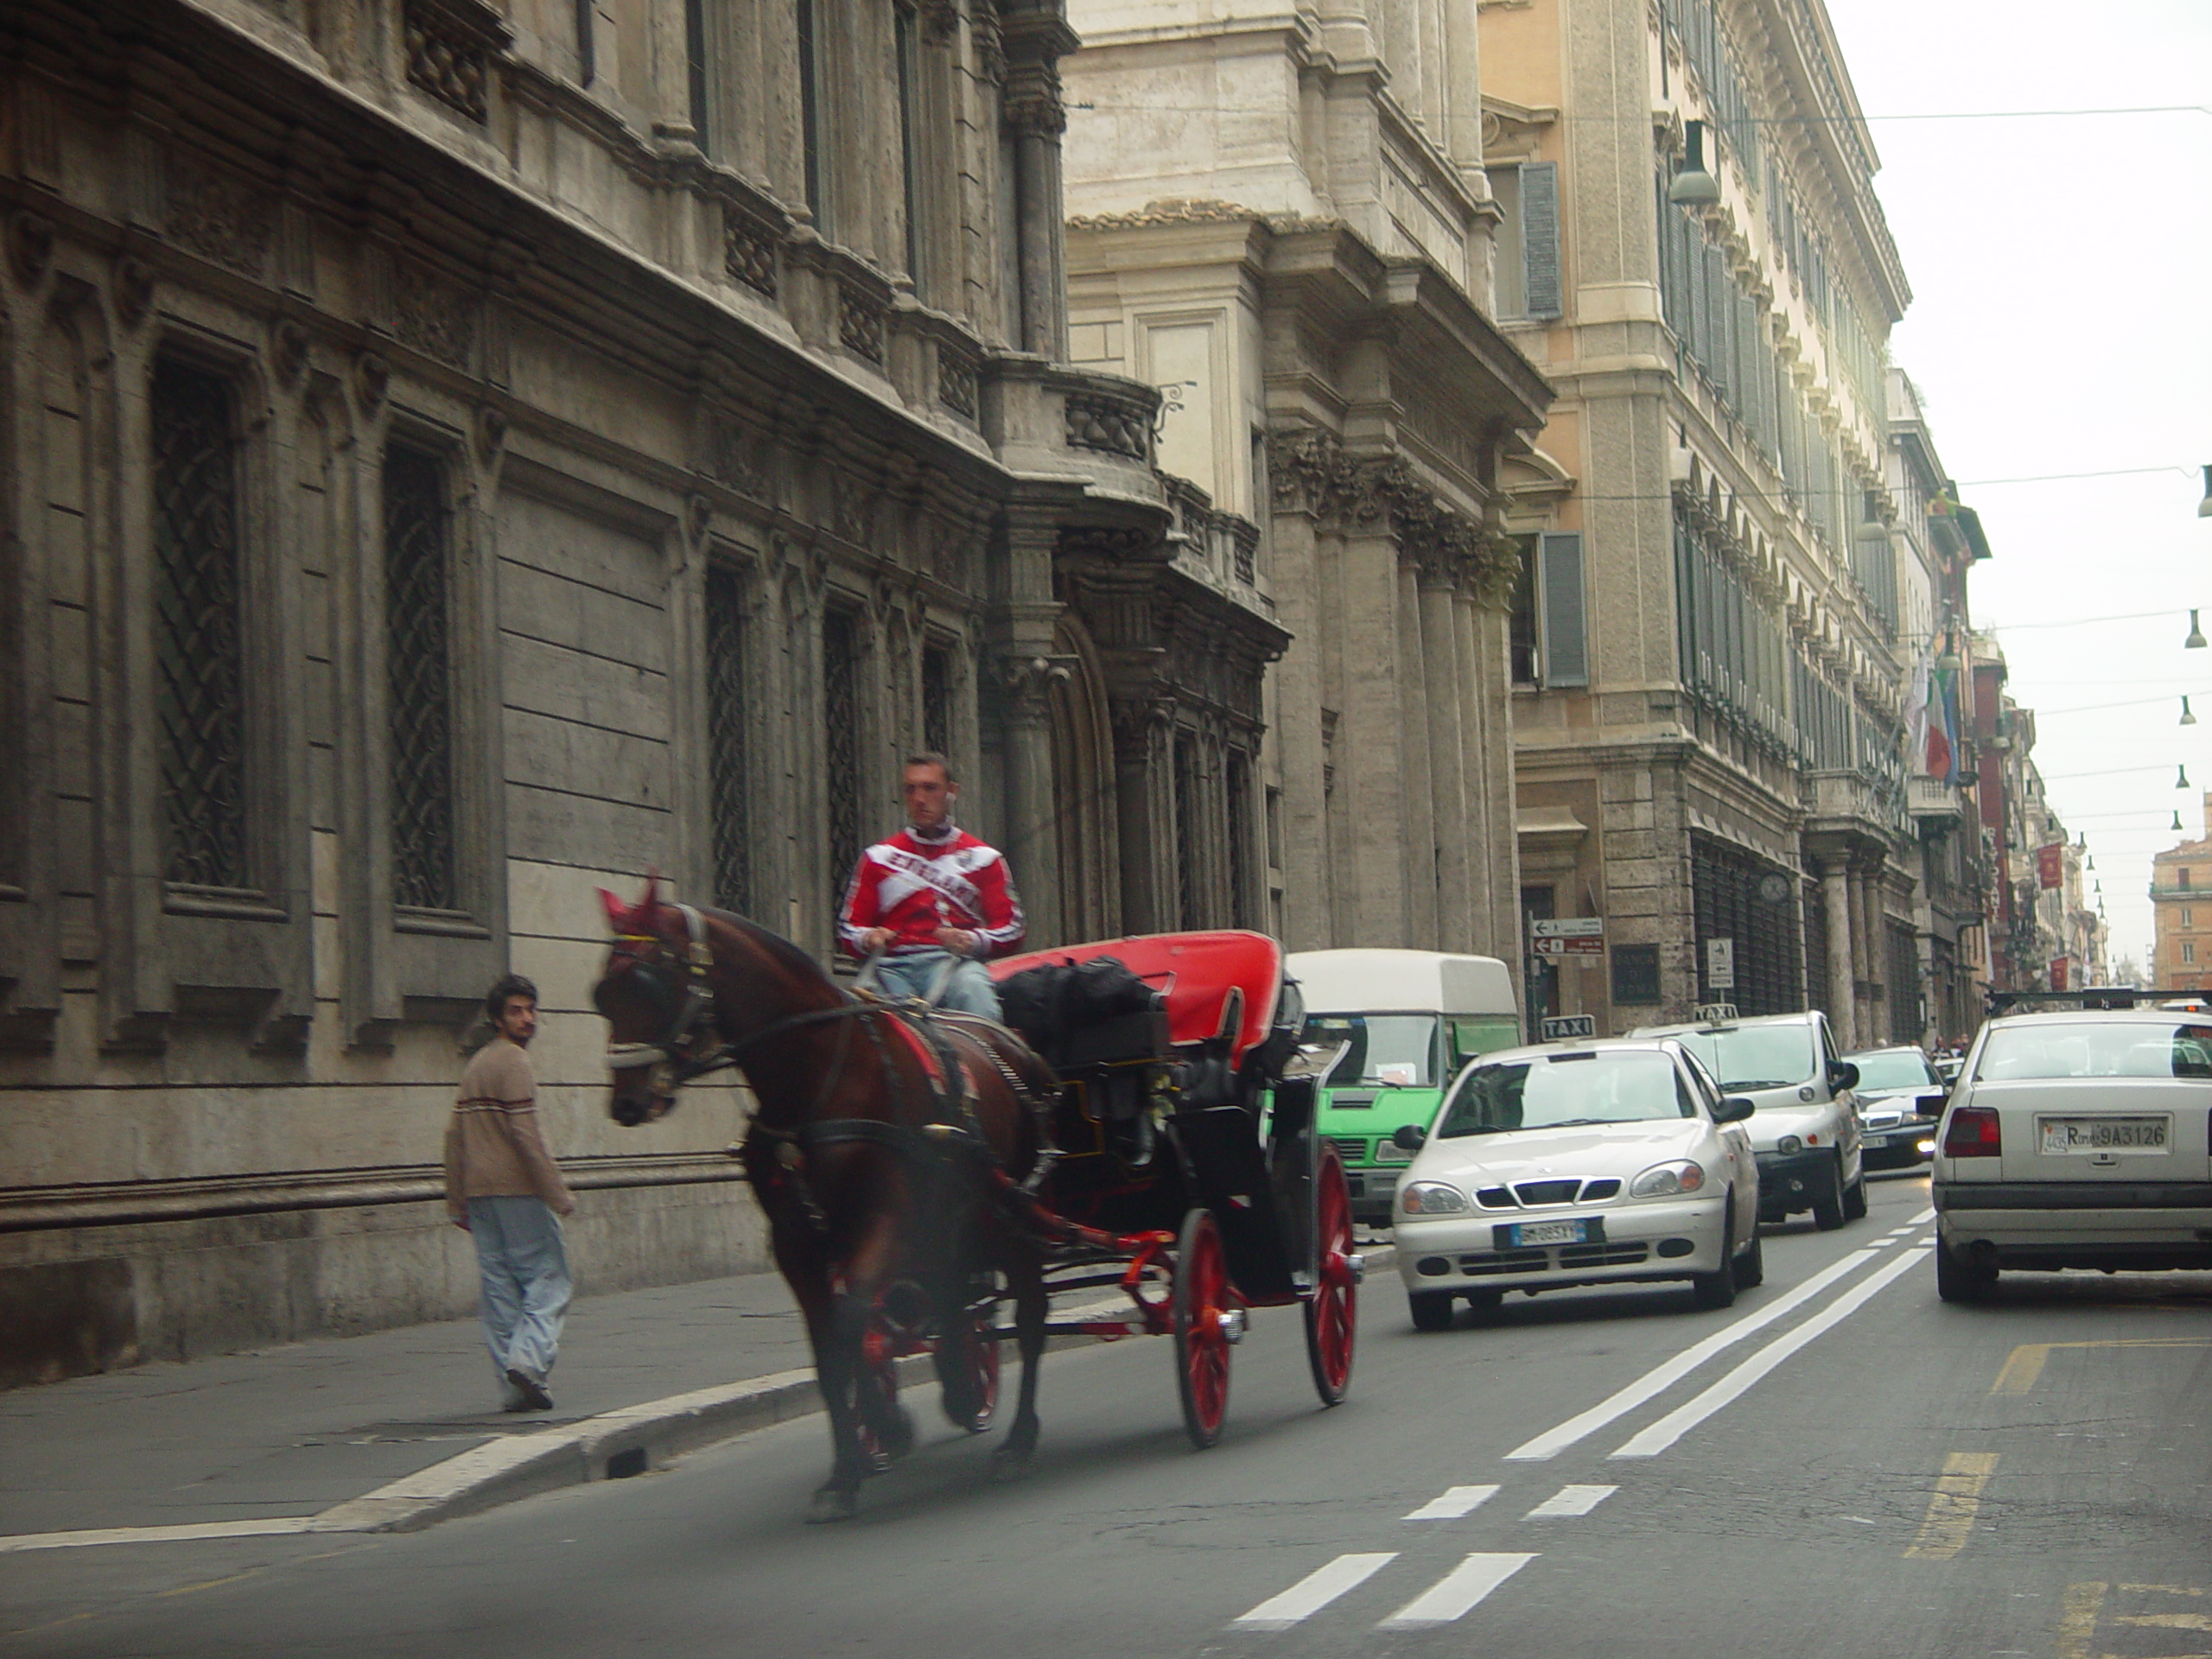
(931, 894)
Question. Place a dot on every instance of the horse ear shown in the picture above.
(618, 914)
(651, 902)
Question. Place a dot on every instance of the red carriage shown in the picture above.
(1190, 1175)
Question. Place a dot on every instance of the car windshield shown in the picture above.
(1567, 1089)
(1895, 1068)
(1395, 1049)
(2121, 1049)
(1754, 1057)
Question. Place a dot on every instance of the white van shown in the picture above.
(1411, 1019)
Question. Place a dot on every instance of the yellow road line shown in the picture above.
(1951, 1512)
(2023, 1365)
(2077, 1622)
(2168, 1621)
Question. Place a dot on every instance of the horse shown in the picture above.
(894, 1153)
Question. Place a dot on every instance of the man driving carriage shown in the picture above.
(935, 899)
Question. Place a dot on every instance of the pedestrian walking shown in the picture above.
(505, 1190)
(937, 901)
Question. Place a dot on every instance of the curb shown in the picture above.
(616, 1444)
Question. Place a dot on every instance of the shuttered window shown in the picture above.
(1565, 645)
(1542, 284)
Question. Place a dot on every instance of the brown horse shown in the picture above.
(886, 1149)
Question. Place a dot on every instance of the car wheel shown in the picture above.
(1750, 1266)
(1431, 1309)
(1828, 1212)
(1717, 1289)
(1855, 1197)
(1959, 1279)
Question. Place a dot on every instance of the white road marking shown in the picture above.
(1456, 1501)
(1314, 1592)
(1924, 1216)
(1656, 1381)
(1571, 1500)
(180, 1534)
(1457, 1590)
(1730, 1387)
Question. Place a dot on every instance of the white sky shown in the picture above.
(2061, 323)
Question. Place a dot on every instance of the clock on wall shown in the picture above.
(1774, 888)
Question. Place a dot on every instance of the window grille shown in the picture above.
(937, 699)
(1728, 904)
(1904, 986)
(841, 716)
(727, 794)
(198, 646)
(1240, 840)
(418, 654)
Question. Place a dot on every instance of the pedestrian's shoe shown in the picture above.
(530, 1388)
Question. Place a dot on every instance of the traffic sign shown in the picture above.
(1567, 936)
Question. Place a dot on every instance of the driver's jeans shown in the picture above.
(967, 988)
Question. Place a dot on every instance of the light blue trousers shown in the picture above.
(524, 1292)
(969, 990)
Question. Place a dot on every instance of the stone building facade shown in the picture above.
(1710, 698)
(1280, 220)
(457, 456)
(2181, 911)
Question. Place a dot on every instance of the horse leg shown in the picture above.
(1026, 1278)
(869, 1269)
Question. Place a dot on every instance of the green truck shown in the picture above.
(1409, 1020)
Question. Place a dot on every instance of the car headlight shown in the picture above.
(1432, 1198)
(1664, 1181)
(1789, 1143)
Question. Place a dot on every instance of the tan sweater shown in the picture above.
(493, 1149)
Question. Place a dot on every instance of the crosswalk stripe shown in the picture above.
(1314, 1592)
(1452, 1595)
(1572, 1500)
(1456, 1501)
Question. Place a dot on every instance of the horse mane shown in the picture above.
(778, 948)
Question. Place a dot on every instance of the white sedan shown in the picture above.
(1586, 1163)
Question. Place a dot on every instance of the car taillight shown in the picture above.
(1973, 1133)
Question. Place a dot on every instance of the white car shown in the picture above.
(1586, 1163)
(2077, 1140)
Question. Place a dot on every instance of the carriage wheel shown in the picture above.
(1201, 1303)
(1333, 1311)
(968, 1366)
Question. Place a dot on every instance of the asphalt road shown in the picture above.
(1858, 1471)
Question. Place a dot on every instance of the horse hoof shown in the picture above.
(833, 1503)
(899, 1438)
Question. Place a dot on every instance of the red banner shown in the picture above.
(2051, 865)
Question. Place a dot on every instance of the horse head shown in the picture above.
(658, 1010)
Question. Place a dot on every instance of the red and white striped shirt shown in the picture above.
(914, 886)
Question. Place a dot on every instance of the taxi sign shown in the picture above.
(1562, 1027)
(1716, 1013)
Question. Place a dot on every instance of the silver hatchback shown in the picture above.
(2077, 1140)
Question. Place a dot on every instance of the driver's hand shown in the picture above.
(958, 940)
(875, 939)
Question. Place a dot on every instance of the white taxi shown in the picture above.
(2077, 1139)
(1583, 1163)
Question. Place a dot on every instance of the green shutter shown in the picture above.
(1566, 654)
(1542, 294)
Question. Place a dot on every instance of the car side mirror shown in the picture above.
(1734, 1109)
(1409, 1137)
(1841, 1076)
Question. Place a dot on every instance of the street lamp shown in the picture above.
(2181, 777)
(1694, 186)
(2176, 823)
(2195, 640)
(2187, 719)
(2203, 507)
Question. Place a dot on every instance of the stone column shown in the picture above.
(1145, 803)
(1031, 847)
(1036, 115)
(1843, 1012)
(1416, 803)
(1446, 671)
(1369, 861)
(1297, 548)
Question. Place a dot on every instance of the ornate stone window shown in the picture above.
(418, 655)
(841, 718)
(937, 699)
(727, 792)
(199, 669)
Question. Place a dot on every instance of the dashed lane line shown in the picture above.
(1952, 1510)
(1314, 1592)
(1457, 1592)
(1571, 1500)
(1676, 1423)
(1663, 1376)
(1455, 1502)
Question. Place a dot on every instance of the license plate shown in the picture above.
(1547, 1232)
(2065, 1135)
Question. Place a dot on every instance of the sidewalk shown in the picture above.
(397, 1430)
(295, 1431)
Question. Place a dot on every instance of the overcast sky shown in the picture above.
(2061, 323)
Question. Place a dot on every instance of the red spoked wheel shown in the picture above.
(1333, 1311)
(887, 1433)
(1201, 1303)
(968, 1366)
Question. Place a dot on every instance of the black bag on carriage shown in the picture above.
(1051, 1003)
